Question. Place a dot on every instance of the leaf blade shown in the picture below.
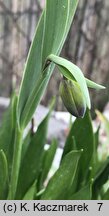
(63, 177)
(48, 25)
(4, 173)
(83, 194)
(94, 85)
(48, 159)
(31, 162)
(83, 133)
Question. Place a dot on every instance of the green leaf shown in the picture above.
(33, 100)
(49, 38)
(48, 160)
(84, 193)
(3, 173)
(83, 134)
(101, 178)
(59, 16)
(7, 131)
(39, 194)
(56, 20)
(59, 184)
(31, 162)
(32, 68)
(94, 85)
(31, 192)
(106, 195)
(26, 143)
(70, 70)
(70, 144)
(95, 162)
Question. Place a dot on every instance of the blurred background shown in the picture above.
(87, 45)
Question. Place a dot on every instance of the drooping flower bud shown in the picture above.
(72, 97)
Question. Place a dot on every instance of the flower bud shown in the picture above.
(72, 97)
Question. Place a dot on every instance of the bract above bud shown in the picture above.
(72, 97)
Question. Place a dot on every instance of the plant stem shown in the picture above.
(15, 163)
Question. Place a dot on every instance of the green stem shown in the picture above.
(15, 164)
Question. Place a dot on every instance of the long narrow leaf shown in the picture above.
(49, 38)
(59, 184)
(83, 134)
(47, 160)
(92, 84)
(31, 192)
(3, 174)
(7, 131)
(32, 68)
(101, 178)
(31, 162)
(84, 194)
(70, 144)
(106, 195)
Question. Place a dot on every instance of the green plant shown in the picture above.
(23, 161)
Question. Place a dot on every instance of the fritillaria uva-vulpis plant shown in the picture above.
(24, 163)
